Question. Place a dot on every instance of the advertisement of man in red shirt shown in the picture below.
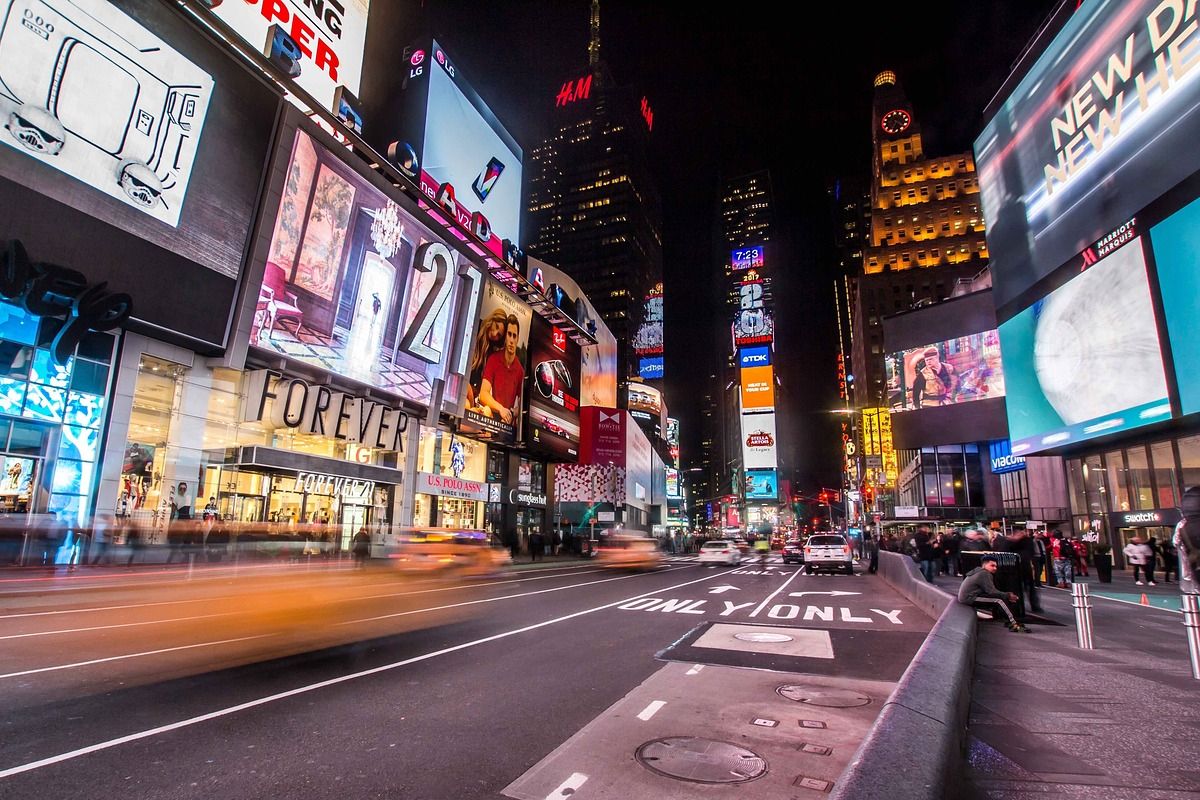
(500, 390)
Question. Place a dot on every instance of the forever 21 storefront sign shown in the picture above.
(322, 411)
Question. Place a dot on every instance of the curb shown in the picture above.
(914, 751)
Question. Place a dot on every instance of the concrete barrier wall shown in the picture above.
(915, 750)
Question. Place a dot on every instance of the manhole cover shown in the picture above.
(763, 637)
(690, 758)
(819, 696)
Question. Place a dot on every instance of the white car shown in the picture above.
(721, 551)
(830, 552)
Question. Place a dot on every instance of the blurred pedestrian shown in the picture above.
(926, 552)
(1020, 542)
(1080, 560)
(1187, 541)
(1152, 543)
(535, 545)
(1039, 558)
(1170, 559)
(133, 539)
(361, 548)
(975, 541)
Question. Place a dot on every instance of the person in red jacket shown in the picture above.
(1080, 555)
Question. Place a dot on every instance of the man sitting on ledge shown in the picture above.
(978, 590)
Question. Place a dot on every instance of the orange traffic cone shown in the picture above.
(1145, 600)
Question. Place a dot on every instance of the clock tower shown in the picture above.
(894, 128)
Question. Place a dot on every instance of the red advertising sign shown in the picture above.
(602, 435)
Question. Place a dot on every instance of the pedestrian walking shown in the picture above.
(1020, 542)
(1170, 559)
(1064, 569)
(926, 552)
(1187, 541)
(361, 548)
(535, 546)
(1080, 559)
(1139, 556)
(1039, 558)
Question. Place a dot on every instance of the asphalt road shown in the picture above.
(531, 684)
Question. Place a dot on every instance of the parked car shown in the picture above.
(830, 552)
(721, 551)
(629, 551)
(793, 552)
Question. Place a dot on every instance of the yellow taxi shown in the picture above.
(453, 551)
(629, 551)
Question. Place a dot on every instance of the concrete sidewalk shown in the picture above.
(1050, 720)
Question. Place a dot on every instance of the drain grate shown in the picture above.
(691, 758)
(821, 696)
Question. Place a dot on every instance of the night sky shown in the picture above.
(736, 93)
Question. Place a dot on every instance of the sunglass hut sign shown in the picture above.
(322, 411)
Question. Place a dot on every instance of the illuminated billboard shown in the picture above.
(553, 424)
(1177, 257)
(758, 388)
(650, 368)
(648, 341)
(762, 484)
(328, 38)
(757, 356)
(753, 323)
(759, 441)
(646, 400)
(496, 369)
(354, 283)
(748, 257)
(946, 373)
(126, 128)
(1084, 361)
(457, 141)
(1104, 122)
(674, 490)
(599, 360)
(878, 446)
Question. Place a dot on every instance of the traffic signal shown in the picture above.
(824, 497)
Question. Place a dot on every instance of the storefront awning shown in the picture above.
(254, 458)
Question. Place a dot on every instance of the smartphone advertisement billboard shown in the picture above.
(946, 373)
(457, 140)
(552, 427)
(128, 128)
(354, 283)
(1085, 360)
(1104, 122)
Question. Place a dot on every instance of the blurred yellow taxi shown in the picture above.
(453, 551)
(629, 551)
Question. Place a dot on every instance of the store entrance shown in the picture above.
(1160, 534)
(353, 518)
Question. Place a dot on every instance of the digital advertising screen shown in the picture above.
(496, 367)
(458, 140)
(758, 388)
(756, 356)
(128, 128)
(946, 373)
(355, 284)
(645, 398)
(650, 368)
(599, 360)
(748, 257)
(1104, 122)
(648, 341)
(753, 323)
(553, 418)
(1085, 360)
(762, 484)
(674, 490)
(1176, 245)
(758, 441)
(330, 37)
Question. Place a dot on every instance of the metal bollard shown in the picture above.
(1191, 619)
(1083, 616)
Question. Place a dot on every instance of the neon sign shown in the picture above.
(578, 89)
(648, 114)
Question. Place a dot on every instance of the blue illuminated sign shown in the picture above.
(759, 356)
(747, 258)
(1002, 458)
(762, 484)
(650, 369)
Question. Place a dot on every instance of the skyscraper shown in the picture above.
(594, 206)
(926, 231)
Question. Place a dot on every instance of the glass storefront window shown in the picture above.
(1075, 486)
(1141, 493)
(1118, 480)
(1163, 456)
(445, 453)
(1094, 486)
(1189, 460)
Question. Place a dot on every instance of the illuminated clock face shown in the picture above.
(896, 121)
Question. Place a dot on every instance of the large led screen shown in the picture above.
(496, 371)
(457, 140)
(1176, 245)
(648, 341)
(354, 283)
(1105, 121)
(947, 373)
(758, 388)
(599, 360)
(761, 484)
(330, 36)
(132, 149)
(1085, 361)
(758, 441)
(553, 424)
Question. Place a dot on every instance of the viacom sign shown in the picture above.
(1002, 458)
(759, 356)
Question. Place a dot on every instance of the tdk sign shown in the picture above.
(755, 356)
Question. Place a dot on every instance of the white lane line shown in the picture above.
(763, 604)
(568, 787)
(490, 599)
(127, 655)
(120, 625)
(694, 670)
(650, 710)
(224, 712)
